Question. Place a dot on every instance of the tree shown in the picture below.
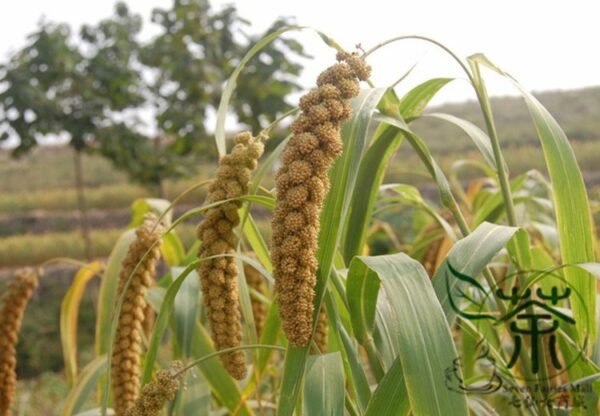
(185, 68)
(255, 105)
(193, 56)
(52, 88)
(89, 91)
(117, 74)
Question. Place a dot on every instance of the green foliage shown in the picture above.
(410, 332)
(324, 385)
(39, 81)
(84, 89)
(53, 88)
(572, 109)
(195, 53)
(411, 308)
(256, 106)
(22, 250)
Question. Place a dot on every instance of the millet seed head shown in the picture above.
(138, 268)
(301, 185)
(321, 337)
(218, 276)
(12, 308)
(257, 282)
(157, 393)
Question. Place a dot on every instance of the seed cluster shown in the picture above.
(14, 302)
(156, 394)
(321, 337)
(256, 281)
(141, 267)
(149, 317)
(218, 276)
(302, 184)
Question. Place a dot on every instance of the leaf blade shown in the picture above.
(324, 385)
(570, 197)
(69, 312)
(424, 342)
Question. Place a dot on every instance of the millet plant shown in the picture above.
(292, 314)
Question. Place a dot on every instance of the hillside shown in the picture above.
(575, 110)
(37, 195)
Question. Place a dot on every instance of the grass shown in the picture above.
(104, 197)
(47, 172)
(51, 167)
(574, 110)
(408, 333)
(407, 168)
(29, 250)
(43, 180)
(42, 395)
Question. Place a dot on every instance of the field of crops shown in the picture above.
(374, 262)
(49, 205)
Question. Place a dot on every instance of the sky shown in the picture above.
(546, 45)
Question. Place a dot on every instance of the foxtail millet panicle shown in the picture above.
(302, 183)
(12, 308)
(256, 281)
(157, 393)
(321, 332)
(149, 318)
(139, 267)
(218, 276)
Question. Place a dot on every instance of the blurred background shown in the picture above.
(103, 103)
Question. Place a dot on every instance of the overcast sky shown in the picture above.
(544, 44)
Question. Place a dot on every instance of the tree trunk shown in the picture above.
(160, 187)
(83, 218)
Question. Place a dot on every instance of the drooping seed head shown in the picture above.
(218, 276)
(256, 281)
(321, 333)
(156, 394)
(137, 274)
(12, 308)
(301, 185)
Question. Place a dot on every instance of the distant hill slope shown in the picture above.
(577, 111)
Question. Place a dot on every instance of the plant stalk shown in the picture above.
(83, 217)
(501, 169)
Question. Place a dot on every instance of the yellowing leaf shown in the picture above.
(69, 312)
